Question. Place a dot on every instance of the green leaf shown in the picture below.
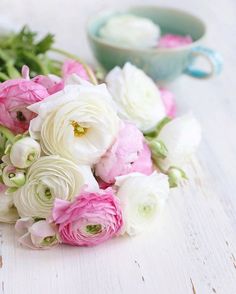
(45, 44)
(3, 76)
(7, 133)
(11, 70)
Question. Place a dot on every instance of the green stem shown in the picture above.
(155, 133)
(7, 133)
(72, 56)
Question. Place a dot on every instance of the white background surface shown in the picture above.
(194, 248)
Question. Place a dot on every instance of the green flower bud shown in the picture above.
(176, 176)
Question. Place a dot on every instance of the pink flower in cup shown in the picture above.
(169, 102)
(71, 66)
(128, 154)
(174, 41)
(15, 96)
(92, 218)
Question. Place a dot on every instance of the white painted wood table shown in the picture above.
(194, 248)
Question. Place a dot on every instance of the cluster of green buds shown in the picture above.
(17, 153)
(160, 152)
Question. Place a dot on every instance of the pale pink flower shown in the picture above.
(37, 235)
(128, 154)
(169, 102)
(74, 67)
(174, 41)
(90, 219)
(15, 96)
(52, 83)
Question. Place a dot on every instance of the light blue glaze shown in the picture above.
(162, 64)
(212, 56)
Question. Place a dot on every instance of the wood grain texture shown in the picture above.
(193, 250)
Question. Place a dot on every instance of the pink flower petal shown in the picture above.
(169, 102)
(128, 154)
(92, 218)
(74, 67)
(174, 41)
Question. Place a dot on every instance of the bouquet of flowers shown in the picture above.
(83, 162)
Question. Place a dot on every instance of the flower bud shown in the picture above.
(158, 149)
(176, 176)
(13, 177)
(24, 152)
(37, 234)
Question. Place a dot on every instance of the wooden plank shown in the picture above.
(193, 250)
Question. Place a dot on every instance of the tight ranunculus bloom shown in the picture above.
(129, 153)
(15, 96)
(130, 31)
(169, 102)
(181, 137)
(24, 152)
(52, 83)
(48, 178)
(137, 97)
(74, 67)
(8, 212)
(90, 220)
(13, 177)
(78, 123)
(37, 235)
(174, 41)
(142, 199)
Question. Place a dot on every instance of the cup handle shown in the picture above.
(214, 59)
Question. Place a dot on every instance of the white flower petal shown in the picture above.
(142, 199)
(181, 137)
(8, 213)
(48, 178)
(131, 31)
(137, 97)
(86, 107)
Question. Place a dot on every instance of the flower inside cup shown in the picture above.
(140, 32)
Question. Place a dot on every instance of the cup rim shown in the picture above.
(144, 50)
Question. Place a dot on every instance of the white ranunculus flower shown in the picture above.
(24, 152)
(181, 137)
(137, 97)
(48, 178)
(8, 212)
(142, 199)
(131, 31)
(78, 123)
(37, 235)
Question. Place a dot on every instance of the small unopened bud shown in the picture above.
(13, 177)
(158, 149)
(176, 176)
(24, 152)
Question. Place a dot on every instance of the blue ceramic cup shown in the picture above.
(162, 64)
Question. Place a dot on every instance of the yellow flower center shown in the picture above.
(79, 131)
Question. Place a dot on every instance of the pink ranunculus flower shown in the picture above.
(74, 67)
(15, 96)
(37, 235)
(128, 154)
(174, 41)
(52, 83)
(169, 102)
(92, 218)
